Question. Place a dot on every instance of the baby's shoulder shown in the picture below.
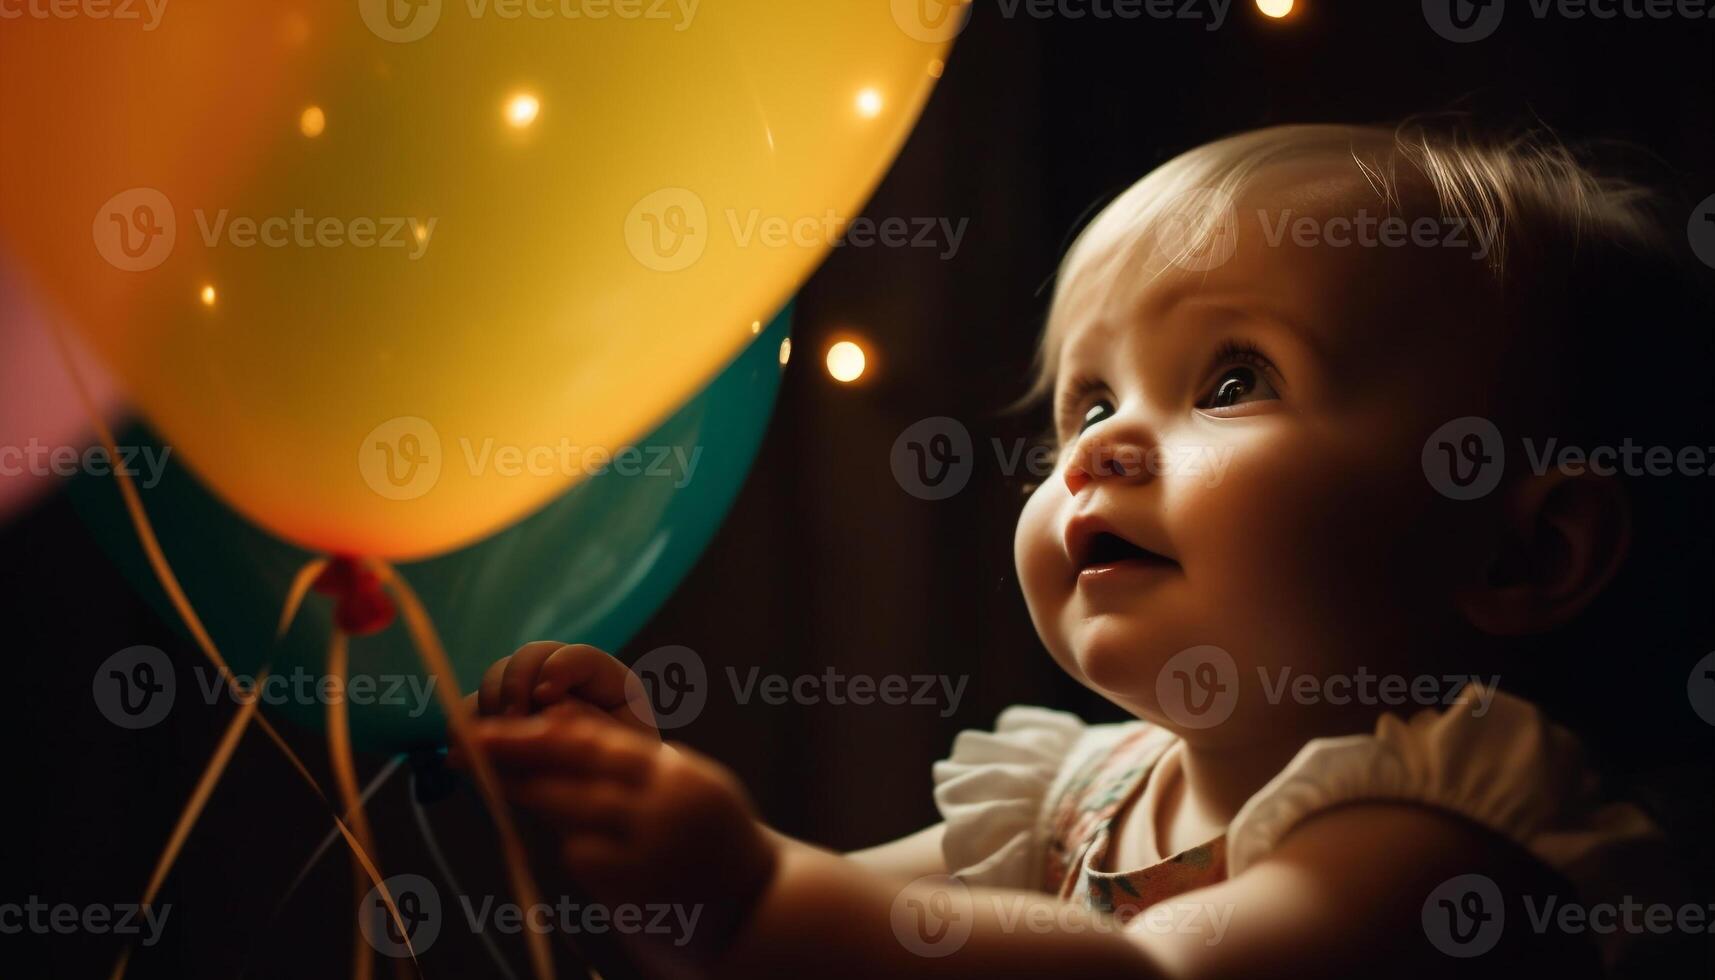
(1492, 760)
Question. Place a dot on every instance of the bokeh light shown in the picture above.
(521, 110)
(846, 361)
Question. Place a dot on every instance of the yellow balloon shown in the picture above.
(390, 274)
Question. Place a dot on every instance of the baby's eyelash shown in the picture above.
(1236, 350)
(1241, 351)
(1073, 394)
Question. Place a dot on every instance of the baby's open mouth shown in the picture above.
(1109, 554)
(1094, 547)
(1111, 549)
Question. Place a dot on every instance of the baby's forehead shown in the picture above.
(1317, 241)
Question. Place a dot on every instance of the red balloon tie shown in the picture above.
(361, 605)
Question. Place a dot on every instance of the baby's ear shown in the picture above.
(1561, 539)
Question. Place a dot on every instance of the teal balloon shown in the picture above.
(591, 567)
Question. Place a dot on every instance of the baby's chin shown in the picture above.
(1120, 655)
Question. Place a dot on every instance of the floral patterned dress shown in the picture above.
(1081, 831)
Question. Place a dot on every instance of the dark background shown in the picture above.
(824, 561)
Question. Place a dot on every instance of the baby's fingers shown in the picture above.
(570, 747)
(591, 675)
(518, 677)
(491, 693)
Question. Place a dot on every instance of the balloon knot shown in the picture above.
(361, 605)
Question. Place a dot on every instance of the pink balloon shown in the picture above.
(44, 427)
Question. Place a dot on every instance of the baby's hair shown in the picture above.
(1527, 193)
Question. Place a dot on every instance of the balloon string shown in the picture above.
(193, 809)
(170, 584)
(345, 780)
(428, 644)
(310, 863)
(445, 867)
(300, 587)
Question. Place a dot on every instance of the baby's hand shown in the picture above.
(574, 678)
(639, 822)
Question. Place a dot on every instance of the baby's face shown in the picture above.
(1241, 463)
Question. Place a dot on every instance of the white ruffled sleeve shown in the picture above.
(992, 791)
(1491, 758)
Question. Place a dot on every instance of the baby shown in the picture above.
(1340, 649)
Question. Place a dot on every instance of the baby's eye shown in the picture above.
(1237, 385)
(1243, 375)
(1097, 411)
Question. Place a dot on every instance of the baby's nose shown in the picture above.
(1104, 457)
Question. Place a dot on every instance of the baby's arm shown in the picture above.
(906, 858)
(825, 916)
(1344, 895)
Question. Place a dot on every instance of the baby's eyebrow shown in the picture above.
(1234, 303)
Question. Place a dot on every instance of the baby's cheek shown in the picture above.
(1039, 560)
(1298, 537)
